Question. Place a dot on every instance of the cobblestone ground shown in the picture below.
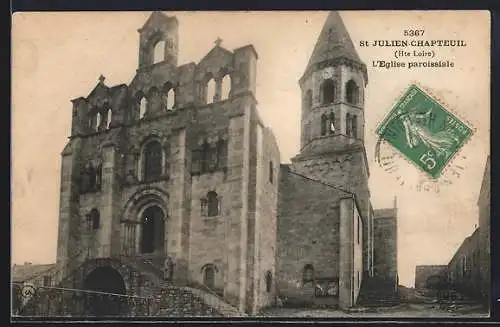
(414, 304)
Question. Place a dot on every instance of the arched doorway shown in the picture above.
(111, 285)
(209, 276)
(152, 230)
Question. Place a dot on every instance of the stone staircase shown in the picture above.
(181, 301)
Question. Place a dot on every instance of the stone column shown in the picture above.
(109, 231)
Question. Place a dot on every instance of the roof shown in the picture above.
(333, 42)
(29, 270)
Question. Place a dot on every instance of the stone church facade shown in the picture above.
(179, 163)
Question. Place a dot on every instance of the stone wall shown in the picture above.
(308, 233)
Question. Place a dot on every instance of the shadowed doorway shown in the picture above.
(152, 230)
(105, 280)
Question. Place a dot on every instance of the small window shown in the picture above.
(221, 154)
(348, 127)
(205, 157)
(354, 126)
(332, 123)
(212, 204)
(308, 274)
(271, 172)
(109, 117)
(93, 220)
(209, 276)
(170, 99)
(143, 107)
(269, 281)
(98, 122)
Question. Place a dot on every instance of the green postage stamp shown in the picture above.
(424, 131)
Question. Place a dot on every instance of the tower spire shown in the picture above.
(333, 42)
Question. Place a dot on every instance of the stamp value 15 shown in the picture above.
(425, 132)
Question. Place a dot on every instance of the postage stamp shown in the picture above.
(424, 131)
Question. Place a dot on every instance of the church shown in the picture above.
(179, 164)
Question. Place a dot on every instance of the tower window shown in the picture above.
(152, 161)
(324, 124)
(308, 273)
(205, 157)
(354, 126)
(209, 276)
(352, 92)
(159, 52)
(328, 91)
(308, 100)
(212, 204)
(221, 153)
(331, 123)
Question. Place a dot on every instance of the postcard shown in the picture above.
(251, 164)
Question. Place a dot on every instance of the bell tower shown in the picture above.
(333, 90)
(332, 145)
(159, 40)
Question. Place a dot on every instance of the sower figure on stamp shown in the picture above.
(168, 268)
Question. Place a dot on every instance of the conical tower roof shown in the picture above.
(333, 42)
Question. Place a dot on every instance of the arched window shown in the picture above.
(331, 124)
(328, 91)
(209, 276)
(308, 100)
(354, 126)
(98, 121)
(110, 116)
(98, 177)
(91, 173)
(152, 161)
(212, 204)
(93, 220)
(225, 87)
(308, 273)
(143, 106)
(352, 92)
(271, 172)
(269, 281)
(170, 99)
(159, 52)
(210, 92)
(324, 124)
(152, 230)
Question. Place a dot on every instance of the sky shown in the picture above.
(59, 56)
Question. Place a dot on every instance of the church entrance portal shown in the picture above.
(106, 285)
(153, 230)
